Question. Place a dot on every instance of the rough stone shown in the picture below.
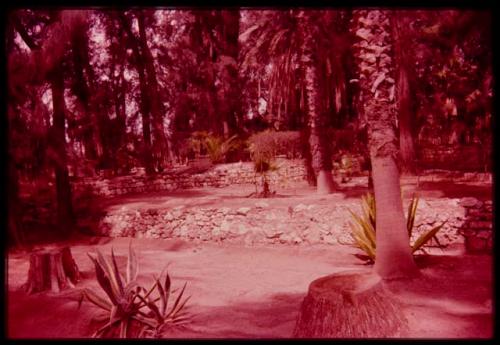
(243, 210)
(300, 207)
(469, 202)
(273, 233)
(330, 239)
(261, 204)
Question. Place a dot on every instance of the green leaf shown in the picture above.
(113, 314)
(145, 320)
(103, 281)
(97, 300)
(424, 238)
(179, 308)
(108, 271)
(123, 328)
(131, 264)
(412, 211)
(178, 299)
(366, 227)
(162, 295)
(116, 272)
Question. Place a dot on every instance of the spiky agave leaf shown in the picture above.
(97, 300)
(104, 281)
(412, 211)
(366, 226)
(116, 273)
(424, 238)
(108, 270)
(124, 328)
(362, 241)
(177, 307)
(132, 270)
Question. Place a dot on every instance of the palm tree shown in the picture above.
(287, 41)
(374, 53)
(322, 162)
(403, 91)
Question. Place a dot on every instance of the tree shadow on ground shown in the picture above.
(457, 190)
(152, 197)
(352, 192)
(463, 278)
(273, 317)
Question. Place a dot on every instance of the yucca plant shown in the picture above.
(128, 303)
(363, 230)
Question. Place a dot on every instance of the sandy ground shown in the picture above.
(244, 292)
(256, 292)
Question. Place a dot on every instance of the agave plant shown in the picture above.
(363, 231)
(128, 303)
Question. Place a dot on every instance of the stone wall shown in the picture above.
(217, 176)
(263, 223)
(478, 227)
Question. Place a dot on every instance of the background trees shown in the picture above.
(106, 91)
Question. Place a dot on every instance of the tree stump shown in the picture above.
(52, 269)
(349, 305)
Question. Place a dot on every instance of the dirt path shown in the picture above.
(242, 292)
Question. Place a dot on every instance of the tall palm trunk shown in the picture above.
(321, 159)
(65, 214)
(375, 57)
(406, 140)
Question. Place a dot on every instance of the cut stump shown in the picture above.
(51, 269)
(349, 305)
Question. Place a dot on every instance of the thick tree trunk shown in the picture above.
(321, 160)
(51, 269)
(393, 258)
(65, 214)
(406, 140)
(349, 305)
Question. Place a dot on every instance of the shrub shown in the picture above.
(272, 143)
(363, 231)
(216, 147)
(127, 299)
(263, 148)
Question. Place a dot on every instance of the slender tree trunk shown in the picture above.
(321, 159)
(306, 153)
(156, 105)
(406, 140)
(394, 258)
(85, 90)
(144, 103)
(63, 188)
(228, 89)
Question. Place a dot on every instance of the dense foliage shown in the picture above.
(96, 90)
